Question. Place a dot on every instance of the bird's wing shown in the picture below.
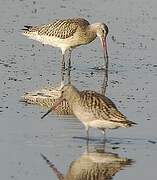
(59, 28)
(101, 106)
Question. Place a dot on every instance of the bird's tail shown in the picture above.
(26, 28)
(129, 123)
(120, 119)
(30, 31)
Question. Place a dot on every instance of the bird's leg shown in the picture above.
(106, 61)
(104, 140)
(104, 133)
(87, 133)
(87, 146)
(69, 60)
(69, 66)
(63, 67)
(106, 73)
(69, 80)
(105, 82)
(63, 61)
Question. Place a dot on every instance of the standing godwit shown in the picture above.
(92, 109)
(69, 33)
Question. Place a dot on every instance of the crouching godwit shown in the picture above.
(69, 33)
(92, 109)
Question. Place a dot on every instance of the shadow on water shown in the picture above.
(92, 164)
(46, 96)
(118, 140)
(105, 75)
(66, 76)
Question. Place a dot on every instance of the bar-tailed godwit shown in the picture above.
(69, 33)
(92, 166)
(92, 109)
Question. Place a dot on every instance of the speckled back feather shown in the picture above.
(102, 107)
(46, 98)
(60, 28)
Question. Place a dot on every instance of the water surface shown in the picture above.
(26, 65)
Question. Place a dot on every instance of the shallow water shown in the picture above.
(26, 65)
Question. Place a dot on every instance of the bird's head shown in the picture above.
(102, 31)
(68, 93)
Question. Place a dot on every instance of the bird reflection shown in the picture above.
(92, 166)
(65, 72)
(66, 76)
(47, 96)
(105, 81)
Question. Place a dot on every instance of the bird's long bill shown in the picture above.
(104, 46)
(55, 105)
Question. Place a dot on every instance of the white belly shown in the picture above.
(84, 116)
(89, 120)
(64, 44)
(102, 124)
(50, 40)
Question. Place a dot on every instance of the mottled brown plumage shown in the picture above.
(93, 109)
(60, 28)
(46, 97)
(68, 34)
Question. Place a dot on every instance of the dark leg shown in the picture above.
(106, 59)
(87, 145)
(104, 139)
(63, 67)
(69, 60)
(63, 61)
(69, 70)
(69, 66)
(87, 132)
(105, 82)
(106, 72)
